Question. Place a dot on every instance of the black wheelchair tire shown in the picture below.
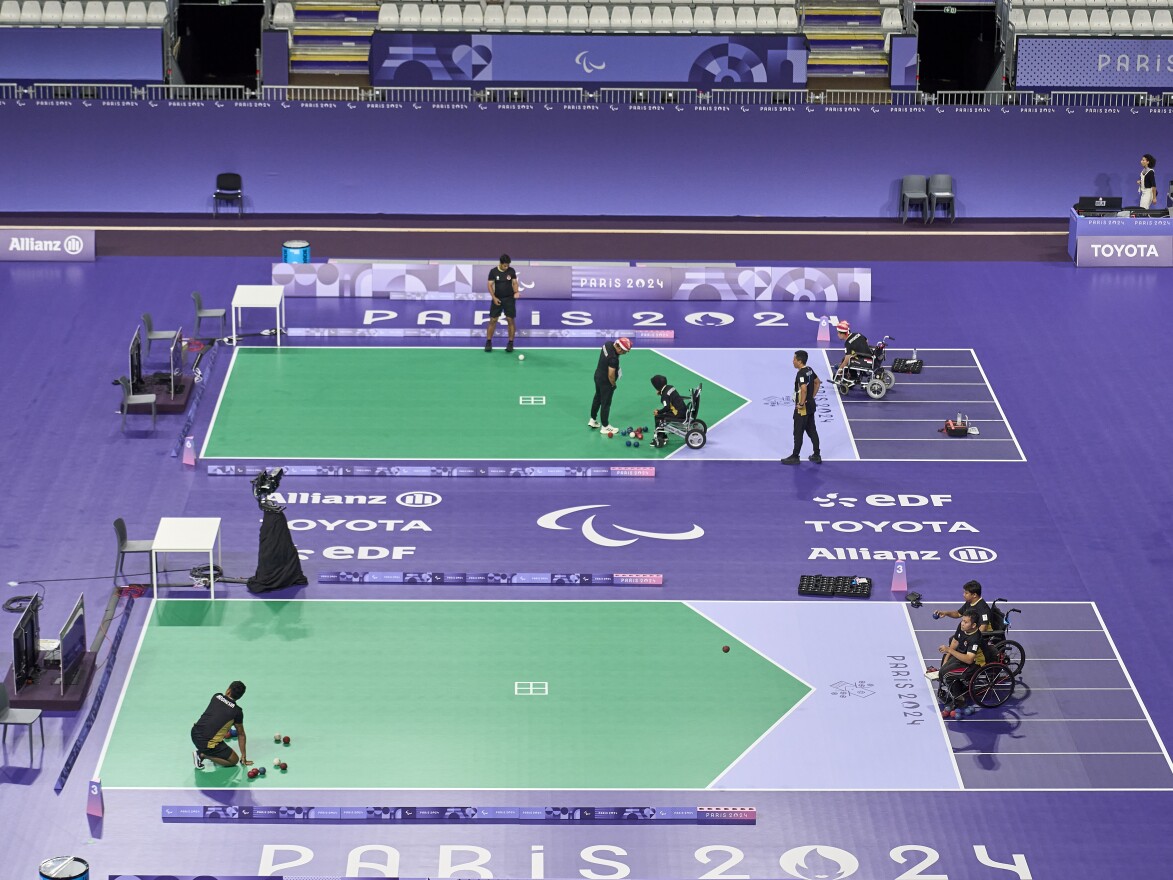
(876, 389)
(695, 438)
(992, 685)
(1013, 655)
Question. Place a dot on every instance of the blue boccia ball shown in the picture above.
(636, 443)
(262, 769)
(628, 442)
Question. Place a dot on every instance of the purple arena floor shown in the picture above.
(1060, 504)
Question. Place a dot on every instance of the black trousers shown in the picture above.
(601, 405)
(805, 425)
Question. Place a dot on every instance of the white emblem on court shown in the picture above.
(550, 521)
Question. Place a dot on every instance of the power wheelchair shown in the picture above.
(866, 371)
(991, 680)
(692, 429)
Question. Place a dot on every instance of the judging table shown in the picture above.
(259, 296)
(1120, 241)
(187, 534)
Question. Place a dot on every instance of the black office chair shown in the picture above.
(228, 189)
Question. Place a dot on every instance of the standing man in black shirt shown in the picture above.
(607, 375)
(806, 386)
(208, 734)
(504, 291)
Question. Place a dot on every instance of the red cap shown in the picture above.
(842, 327)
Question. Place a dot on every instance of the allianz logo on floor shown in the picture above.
(969, 554)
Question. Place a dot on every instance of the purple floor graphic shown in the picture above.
(1069, 523)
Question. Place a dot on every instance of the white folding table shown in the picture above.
(259, 296)
(187, 534)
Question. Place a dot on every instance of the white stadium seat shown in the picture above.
(51, 12)
(95, 13)
(430, 16)
(747, 19)
(726, 20)
(891, 21)
(1142, 21)
(598, 20)
(1017, 20)
(30, 12)
(579, 19)
(514, 17)
(620, 18)
(451, 17)
(71, 13)
(556, 18)
(702, 19)
(1120, 21)
(1057, 21)
(682, 19)
(10, 12)
(1163, 21)
(1098, 22)
(1036, 21)
(156, 12)
(767, 19)
(1077, 22)
(115, 13)
(641, 18)
(283, 15)
(409, 16)
(662, 19)
(136, 13)
(474, 17)
(787, 21)
(388, 16)
(494, 17)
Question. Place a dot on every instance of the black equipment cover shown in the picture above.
(278, 564)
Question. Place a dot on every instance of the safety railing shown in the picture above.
(661, 95)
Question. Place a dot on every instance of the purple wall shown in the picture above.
(510, 159)
(76, 55)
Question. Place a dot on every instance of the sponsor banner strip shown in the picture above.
(358, 470)
(47, 245)
(478, 332)
(472, 578)
(671, 815)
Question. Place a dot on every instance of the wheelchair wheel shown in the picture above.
(842, 388)
(991, 686)
(1012, 655)
(876, 389)
(696, 438)
(887, 378)
(700, 424)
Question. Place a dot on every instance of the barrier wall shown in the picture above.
(1094, 63)
(508, 159)
(69, 54)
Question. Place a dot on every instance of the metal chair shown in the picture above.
(130, 399)
(914, 190)
(10, 717)
(202, 313)
(153, 334)
(228, 189)
(126, 546)
(941, 193)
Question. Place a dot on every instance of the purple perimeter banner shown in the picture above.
(1094, 63)
(417, 59)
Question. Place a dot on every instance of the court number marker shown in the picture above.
(532, 400)
(531, 688)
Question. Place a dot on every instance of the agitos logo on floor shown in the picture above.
(551, 521)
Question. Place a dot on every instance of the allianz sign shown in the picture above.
(47, 244)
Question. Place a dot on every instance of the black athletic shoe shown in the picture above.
(816, 458)
(509, 348)
(489, 345)
(197, 759)
(791, 459)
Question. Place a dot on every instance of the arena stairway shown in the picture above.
(332, 36)
(846, 39)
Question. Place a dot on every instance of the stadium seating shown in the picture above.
(95, 13)
(51, 13)
(30, 12)
(9, 12)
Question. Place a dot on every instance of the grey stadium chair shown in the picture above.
(10, 717)
(125, 546)
(914, 191)
(201, 312)
(160, 335)
(130, 399)
(941, 193)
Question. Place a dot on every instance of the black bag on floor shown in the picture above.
(278, 564)
(908, 365)
(956, 427)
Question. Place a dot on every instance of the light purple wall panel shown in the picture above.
(485, 159)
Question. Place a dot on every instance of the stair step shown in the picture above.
(330, 53)
(337, 34)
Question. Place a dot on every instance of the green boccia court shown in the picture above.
(460, 695)
(420, 403)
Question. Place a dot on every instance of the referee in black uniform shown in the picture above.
(806, 386)
(504, 291)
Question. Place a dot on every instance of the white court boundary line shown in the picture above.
(125, 686)
(219, 400)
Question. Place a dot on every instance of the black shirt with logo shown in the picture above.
(608, 360)
(805, 376)
(220, 715)
(502, 281)
(857, 343)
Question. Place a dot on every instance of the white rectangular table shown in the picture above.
(259, 296)
(187, 534)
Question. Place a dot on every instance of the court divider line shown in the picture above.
(998, 404)
(932, 701)
(1132, 684)
(142, 636)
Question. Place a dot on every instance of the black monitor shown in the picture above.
(26, 638)
(73, 644)
(134, 368)
(1099, 203)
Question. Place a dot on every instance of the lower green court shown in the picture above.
(421, 403)
(435, 695)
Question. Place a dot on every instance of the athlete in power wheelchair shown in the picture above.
(675, 416)
(863, 364)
